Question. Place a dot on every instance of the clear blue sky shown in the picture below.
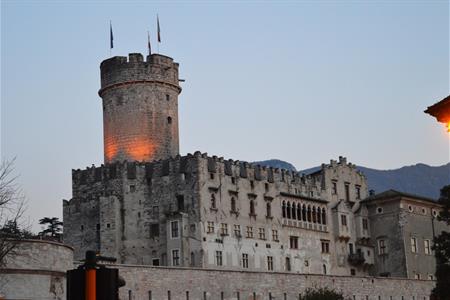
(300, 81)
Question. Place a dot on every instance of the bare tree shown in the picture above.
(12, 207)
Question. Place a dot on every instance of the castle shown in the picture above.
(147, 205)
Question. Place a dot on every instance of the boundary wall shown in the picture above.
(166, 283)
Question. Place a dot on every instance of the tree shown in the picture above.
(54, 227)
(321, 294)
(12, 207)
(441, 249)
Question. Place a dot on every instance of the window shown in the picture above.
(350, 248)
(175, 257)
(224, 229)
(288, 264)
(82, 227)
(249, 232)
(213, 201)
(427, 247)
(358, 192)
(410, 208)
(169, 120)
(275, 235)
(324, 217)
(252, 184)
(210, 227)
(155, 211)
(132, 188)
(237, 230)
(343, 220)
(268, 210)
(382, 249)
(325, 246)
(262, 233)
(283, 209)
(413, 245)
(352, 272)
(365, 224)
(233, 180)
(270, 263)
(252, 208)
(155, 261)
(334, 187)
(245, 260)
(347, 191)
(430, 277)
(293, 242)
(167, 97)
(233, 204)
(324, 268)
(180, 202)
(379, 210)
(416, 276)
(174, 229)
(154, 230)
(219, 258)
(211, 175)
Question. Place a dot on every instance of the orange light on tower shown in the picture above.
(441, 111)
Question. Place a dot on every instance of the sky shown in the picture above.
(301, 81)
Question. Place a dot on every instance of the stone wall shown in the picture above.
(36, 271)
(160, 283)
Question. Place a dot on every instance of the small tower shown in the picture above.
(140, 107)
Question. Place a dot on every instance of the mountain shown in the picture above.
(419, 179)
(276, 163)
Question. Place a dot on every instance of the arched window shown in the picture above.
(268, 209)
(299, 212)
(213, 201)
(283, 208)
(293, 210)
(324, 269)
(324, 216)
(304, 212)
(319, 219)
(252, 207)
(169, 120)
(233, 204)
(314, 219)
(289, 210)
(309, 213)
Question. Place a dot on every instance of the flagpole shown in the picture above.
(110, 38)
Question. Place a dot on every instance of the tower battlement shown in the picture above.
(119, 70)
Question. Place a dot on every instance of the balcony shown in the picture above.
(356, 259)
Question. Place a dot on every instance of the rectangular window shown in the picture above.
(132, 188)
(155, 261)
(288, 263)
(427, 246)
(382, 249)
(155, 212)
(237, 230)
(347, 191)
(175, 257)
(350, 248)
(154, 230)
(224, 229)
(358, 192)
(325, 246)
(343, 220)
(413, 245)
(262, 233)
(275, 235)
(293, 242)
(245, 260)
(210, 227)
(219, 258)
(334, 187)
(270, 263)
(174, 230)
(249, 232)
(365, 224)
(180, 202)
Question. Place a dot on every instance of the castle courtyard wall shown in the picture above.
(161, 283)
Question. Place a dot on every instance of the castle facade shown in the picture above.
(148, 205)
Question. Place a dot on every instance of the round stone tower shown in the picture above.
(140, 107)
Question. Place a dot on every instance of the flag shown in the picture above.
(148, 44)
(111, 38)
(159, 29)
